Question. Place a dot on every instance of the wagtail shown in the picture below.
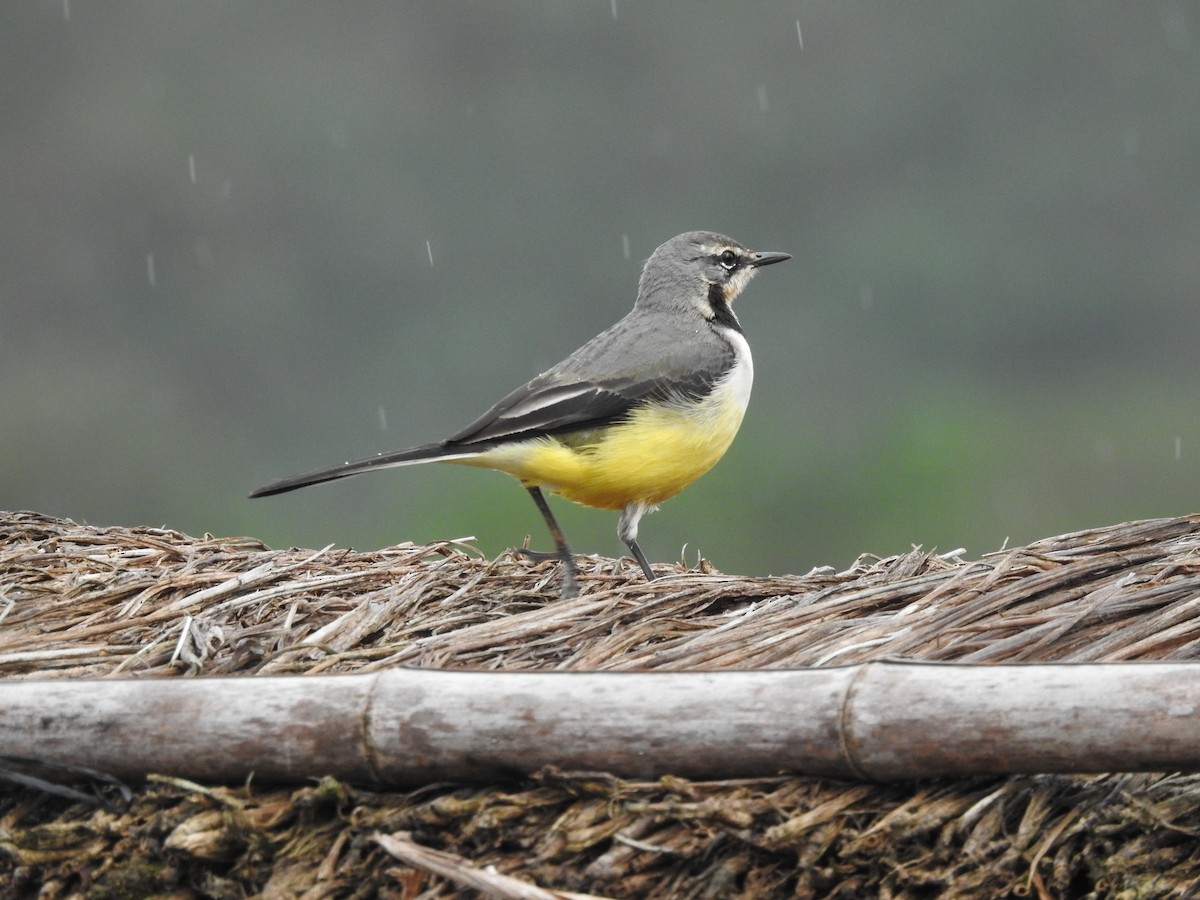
(629, 419)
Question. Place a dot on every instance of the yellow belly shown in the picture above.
(652, 455)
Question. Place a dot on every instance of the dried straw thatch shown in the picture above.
(79, 601)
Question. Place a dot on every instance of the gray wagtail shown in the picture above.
(629, 419)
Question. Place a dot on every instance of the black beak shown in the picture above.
(766, 258)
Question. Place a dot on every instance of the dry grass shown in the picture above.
(78, 601)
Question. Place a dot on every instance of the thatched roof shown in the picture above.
(80, 601)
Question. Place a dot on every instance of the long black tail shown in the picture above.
(411, 456)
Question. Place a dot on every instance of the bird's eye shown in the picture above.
(729, 260)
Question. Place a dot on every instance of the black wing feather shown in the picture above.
(536, 411)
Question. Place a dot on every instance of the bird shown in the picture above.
(629, 419)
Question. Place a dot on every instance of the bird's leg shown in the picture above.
(562, 552)
(627, 530)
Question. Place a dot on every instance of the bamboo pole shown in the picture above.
(877, 720)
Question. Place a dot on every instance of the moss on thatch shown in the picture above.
(80, 601)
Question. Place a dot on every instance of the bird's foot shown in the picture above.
(535, 555)
(570, 580)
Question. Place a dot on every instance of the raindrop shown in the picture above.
(204, 254)
(1175, 28)
(382, 417)
(762, 97)
(866, 296)
(429, 250)
(1178, 448)
(150, 276)
(799, 36)
(67, 9)
(614, 8)
(192, 168)
(625, 245)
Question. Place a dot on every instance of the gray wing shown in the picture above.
(634, 362)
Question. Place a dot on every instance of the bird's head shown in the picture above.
(700, 269)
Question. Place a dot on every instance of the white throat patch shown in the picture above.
(740, 379)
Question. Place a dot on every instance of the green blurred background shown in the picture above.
(216, 222)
